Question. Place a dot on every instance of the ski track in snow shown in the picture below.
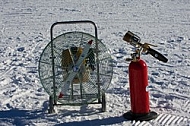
(25, 31)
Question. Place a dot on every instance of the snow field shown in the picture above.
(25, 31)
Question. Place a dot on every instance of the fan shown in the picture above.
(76, 68)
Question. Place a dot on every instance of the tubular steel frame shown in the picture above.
(52, 99)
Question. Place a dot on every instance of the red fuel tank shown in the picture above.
(138, 81)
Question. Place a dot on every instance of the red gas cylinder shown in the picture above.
(138, 81)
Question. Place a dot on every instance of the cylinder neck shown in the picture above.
(135, 56)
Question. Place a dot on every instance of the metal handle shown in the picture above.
(74, 22)
(157, 55)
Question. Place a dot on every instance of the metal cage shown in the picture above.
(57, 61)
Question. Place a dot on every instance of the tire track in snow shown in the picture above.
(6, 72)
(138, 123)
(167, 119)
(186, 106)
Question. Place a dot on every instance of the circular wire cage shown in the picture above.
(65, 49)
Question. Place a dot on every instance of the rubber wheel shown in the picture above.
(51, 105)
(103, 102)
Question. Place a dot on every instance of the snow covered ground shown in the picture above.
(25, 31)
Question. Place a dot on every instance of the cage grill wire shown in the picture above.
(67, 49)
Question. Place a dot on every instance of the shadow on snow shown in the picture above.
(95, 122)
(20, 117)
(25, 117)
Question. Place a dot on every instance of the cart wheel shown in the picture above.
(51, 105)
(103, 102)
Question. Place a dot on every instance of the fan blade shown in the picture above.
(76, 68)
